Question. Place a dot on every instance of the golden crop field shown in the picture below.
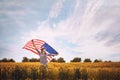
(60, 71)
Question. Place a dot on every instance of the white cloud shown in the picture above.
(56, 8)
(78, 29)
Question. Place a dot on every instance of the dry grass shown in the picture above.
(60, 71)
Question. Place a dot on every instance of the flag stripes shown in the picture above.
(38, 43)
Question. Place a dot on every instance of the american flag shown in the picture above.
(39, 44)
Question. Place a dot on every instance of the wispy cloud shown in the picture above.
(79, 29)
(56, 9)
(90, 30)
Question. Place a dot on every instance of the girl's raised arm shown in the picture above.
(36, 48)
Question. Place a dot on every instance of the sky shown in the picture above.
(75, 28)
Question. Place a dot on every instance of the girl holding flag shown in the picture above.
(43, 56)
(42, 51)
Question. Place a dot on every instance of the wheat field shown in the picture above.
(60, 71)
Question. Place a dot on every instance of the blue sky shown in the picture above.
(75, 28)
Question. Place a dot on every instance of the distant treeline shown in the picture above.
(7, 60)
(76, 59)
